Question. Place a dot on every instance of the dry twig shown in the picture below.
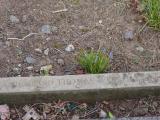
(29, 35)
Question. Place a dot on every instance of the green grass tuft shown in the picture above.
(152, 10)
(93, 62)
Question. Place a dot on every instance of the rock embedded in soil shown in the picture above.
(30, 60)
(16, 71)
(24, 18)
(38, 50)
(129, 35)
(30, 68)
(46, 51)
(102, 114)
(83, 28)
(140, 49)
(70, 48)
(60, 62)
(14, 19)
(19, 65)
(47, 29)
(140, 111)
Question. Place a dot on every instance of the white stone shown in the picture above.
(140, 49)
(46, 51)
(30, 68)
(70, 48)
(38, 50)
(102, 114)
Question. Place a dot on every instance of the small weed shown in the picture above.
(93, 62)
(45, 70)
(152, 10)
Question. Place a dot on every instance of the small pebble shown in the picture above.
(24, 18)
(70, 48)
(8, 43)
(104, 50)
(30, 60)
(102, 114)
(46, 51)
(48, 39)
(14, 19)
(15, 69)
(19, 65)
(83, 28)
(51, 72)
(48, 29)
(60, 62)
(140, 49)
(100, 21)
(38, 50)
(30, 68)
(129, 35)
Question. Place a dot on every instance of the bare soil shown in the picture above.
(87, 24)
(67, 110)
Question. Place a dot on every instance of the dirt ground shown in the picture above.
(67, 110)
(87, 24)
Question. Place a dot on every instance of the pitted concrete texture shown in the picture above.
(131, 118)
(79, 87)
(140, 118)
(80, 82)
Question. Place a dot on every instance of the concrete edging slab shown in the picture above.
(79, 87)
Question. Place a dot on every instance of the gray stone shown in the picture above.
(129, 35)
(54, 28)
(46, 51)
(60, 62)
(30, 60)
(48, 29)
(155, 104)
(102, 114)
(24, 18)
(16, 71)
(141, 111)
(14, 19)
(19, 51)
(7, 43)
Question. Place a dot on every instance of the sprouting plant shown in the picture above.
(93, 62)
(152, 11)
(110, 115)
(45, 70)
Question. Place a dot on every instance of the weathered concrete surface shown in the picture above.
(140, 118)
(80, 87)
(133, 118)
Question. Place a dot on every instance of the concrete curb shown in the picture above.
(79, 87)
(132, 118)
